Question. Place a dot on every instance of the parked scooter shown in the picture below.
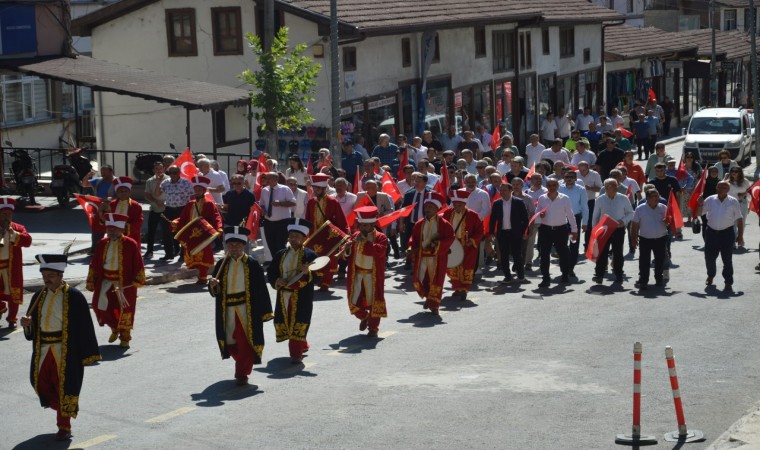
(24, 174)
(67, 179)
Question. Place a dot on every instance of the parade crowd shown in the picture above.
(443, 207)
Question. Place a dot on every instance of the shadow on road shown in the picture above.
(450, 304)
(423, 320)
(714, 292)
(601, 289)
(653, 292)
(282, 368)
(112, 352)
(356, 344)
(225, 390)
(42, 441)
(327, 296)
(4, 332)
(187, 288)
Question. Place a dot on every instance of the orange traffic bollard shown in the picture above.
(682, 434)
(635, 438)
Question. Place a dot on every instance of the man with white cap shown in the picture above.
(468, 230)
(59, 325)
(289, 275)
(198, 206)
(242, 304)
(116, 271)
(319, 210)
(429, 249)
(124, 205)
(366, 271)
(13, 237)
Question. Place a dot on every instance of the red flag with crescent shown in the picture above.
(673, 214)
(263, 165)
(186, 164)
(310, 167)
(625, 133)
(754, 197)
(90, 205)
(403, 162)
(530, 172)
(699, 189)
(253, 221)
(365, 201)
(681, 173)
(390, 187)
(599, 237)
(357, 181)
(495, 138)
(395, 215)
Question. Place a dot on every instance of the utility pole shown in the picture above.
(713, 72)
(334, 84)
(267, 47)
(753, 62)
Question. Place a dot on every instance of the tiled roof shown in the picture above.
(626, 42)
(110, 77)
(733, 3)
(734, 44)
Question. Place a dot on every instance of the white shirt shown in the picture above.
(651, 220)
(587, 156)
(282, 193)
(564, 126)
(617, 120)
(432, 179)
(506, 210)
(558, 211)
(548, 130)
(480, 202)
(721, 214)
(591, 180)
(403, 186)
(533, 154)
(618, 208)
(582, 121)
(551, 155)
(216, 179)
(302, 198)
(417, 154)
(347, 202)
(300, 175)
(472, 167)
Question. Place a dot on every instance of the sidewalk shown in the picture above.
(743, 435)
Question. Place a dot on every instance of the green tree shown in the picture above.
(283, 85)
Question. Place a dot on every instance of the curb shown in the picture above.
(744, 434)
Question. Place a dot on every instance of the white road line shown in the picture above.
(171, 415)
(92, 442)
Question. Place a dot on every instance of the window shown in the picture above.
(729, 19)
(25, 99)
(406, 52)
(586, 55)
(503, 51)
(85, 102)
(180, 31)
(629, 6)
(349, 59)
(437, 53)
(480, 42)
(526, 57)
(545, 48)
(566, 42)
(611, 4)
(227, 31)
(220, 123)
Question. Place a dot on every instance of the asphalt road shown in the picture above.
(514, 368)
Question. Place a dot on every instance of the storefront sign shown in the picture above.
(357, 107)
(727, 65)
(384, 102)
(18, 29)
(457, 100)
(346, 110)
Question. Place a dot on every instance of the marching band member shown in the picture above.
(366, 254)
(242, 304)
(13, 236)
(429, 249)
(116, 271)
(200, 207)
(319, 210)
(59, 325)
(289, 275)
(124, 205)
(468, 230)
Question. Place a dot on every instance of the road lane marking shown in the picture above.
(92, 442)
(296, 368)
(17, 330)
(171, 415)
(386, 334)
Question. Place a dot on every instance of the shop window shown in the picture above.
(349, 59)
(480, 42)
(729, 19)
(566, 42)
(180, 31)
(406, 52)
(526, 51)
(503, 51)
(25, 99)
(545, 48)
(227, 31)
(586, 55)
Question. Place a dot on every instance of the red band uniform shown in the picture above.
(468, 230)
(128, 207)
(429, 244)
(14, 237)
(319, 210)
(366, 272)
(200, 206)
(116, 271)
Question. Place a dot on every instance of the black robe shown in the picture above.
(302, 298)
(258, 306)
(79, 347)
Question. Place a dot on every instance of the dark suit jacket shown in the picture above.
(518, 216)
(408, 200)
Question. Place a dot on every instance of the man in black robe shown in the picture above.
(58, 323)
(295, 293)
(242, 304)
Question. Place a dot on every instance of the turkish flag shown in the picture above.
(395, 215)
(390, 187)
(699, 189)
(263, 165)
(310, 167)
(651, 95)
(487, 218)
(681, 173)
(443, 184)
(530, 172)
(357, 181)
(754, 197)
(626, 134)
(403, 162)
(673, 214)
(365, 201)
(599, 237)
(186, 164)
(90, 205)
(253, 221)
(495, 138)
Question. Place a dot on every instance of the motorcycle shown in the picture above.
(24, 174)
(67, 178)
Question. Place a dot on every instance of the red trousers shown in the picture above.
(48, 387)
(297, 348)
(241, 352)
(10, 305)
